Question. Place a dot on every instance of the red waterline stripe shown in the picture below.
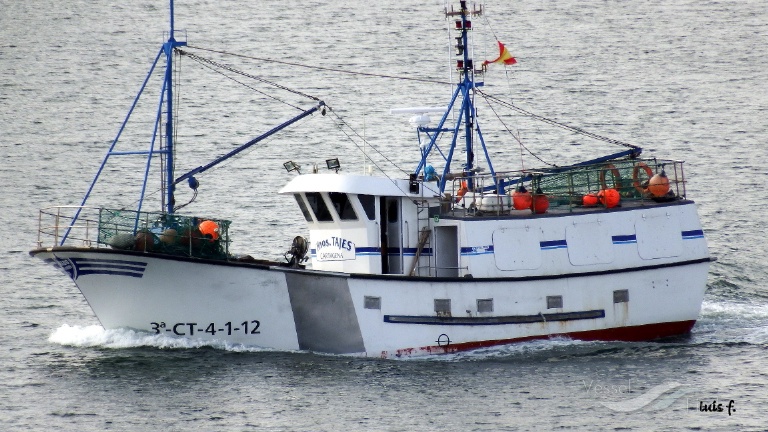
(639, 333)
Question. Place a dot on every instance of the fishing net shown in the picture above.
(630, 178)
(164, 233)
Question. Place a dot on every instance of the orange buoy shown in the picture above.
(590, 200)
(610, 198)
(209, 229)
(658, 185)
(521, 199)
(540, 202)
(144, 241)
(190, 238)
(169, 236)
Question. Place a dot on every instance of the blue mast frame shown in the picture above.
(167, 148)
(466, 115)
(167, 97)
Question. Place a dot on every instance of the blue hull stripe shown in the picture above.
(553, 244)
(76, 267)
(487, 250)
(693, 234)
(624, 239)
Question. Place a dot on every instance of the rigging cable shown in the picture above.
(552, 122)
(425, 80)
(519, 141)
(211, 65)
(344, 123)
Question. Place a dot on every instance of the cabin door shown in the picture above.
(447, 251)
(391, 236)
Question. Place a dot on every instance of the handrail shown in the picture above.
(565, 185)
(56, 221)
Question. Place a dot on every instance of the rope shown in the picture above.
(239, 72)
(520, 142)
(425, 80)
(344, 123)
(558, 124)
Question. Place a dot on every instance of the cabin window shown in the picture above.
(342, 205)
(443, 307)
(392, 211)
(369, 205)
(554, 302)
(318, 206)
(303, 207)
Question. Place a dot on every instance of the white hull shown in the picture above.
(286, 309)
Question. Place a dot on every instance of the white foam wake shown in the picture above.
(733, 322)
(733, 310)
(97, 336)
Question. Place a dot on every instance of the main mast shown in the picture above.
(466, 121)
(167, 152)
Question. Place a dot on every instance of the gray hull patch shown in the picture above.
(324, 314)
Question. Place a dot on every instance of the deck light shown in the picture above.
(333, 164)
(292, 166)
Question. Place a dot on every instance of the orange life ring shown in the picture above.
(636, 181)
(616, 177)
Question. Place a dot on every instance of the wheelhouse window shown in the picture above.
(342, 205)
(317, 203)
(303, 207)
(369, 205)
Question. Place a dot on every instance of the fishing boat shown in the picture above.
(456, 255)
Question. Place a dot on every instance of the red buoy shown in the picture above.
(540, 202)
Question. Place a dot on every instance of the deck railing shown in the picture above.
(170, 234)
(568, 188)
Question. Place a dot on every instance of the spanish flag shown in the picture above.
(504, 56)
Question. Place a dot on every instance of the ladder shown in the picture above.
(425, 234)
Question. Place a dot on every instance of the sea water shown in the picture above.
(683, 79)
